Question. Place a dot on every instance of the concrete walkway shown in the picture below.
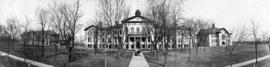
(248, 62)
(25, 60)
(138, 61)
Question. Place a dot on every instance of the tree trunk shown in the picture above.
(231, 58)
(256, 51)
(165, 63)
(69, 55)
(269, 47)
(55, 54)
(42, 45)
(95, 48)
(189, 48)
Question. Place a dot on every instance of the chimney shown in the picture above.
(213, 25)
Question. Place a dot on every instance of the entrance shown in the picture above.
(138, 45)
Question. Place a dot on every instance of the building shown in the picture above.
(214, 37)
(137, 35)
(182, 37)
(133, 33)
(35, 37)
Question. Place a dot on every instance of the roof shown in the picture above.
(48, 32)
(137, 15)
(104, 28)
(182, 27)
(212, 31)
(117, 26)
(88, 27)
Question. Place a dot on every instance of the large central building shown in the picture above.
(137, 35)
(136, 32)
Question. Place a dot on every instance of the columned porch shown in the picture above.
(137, 42)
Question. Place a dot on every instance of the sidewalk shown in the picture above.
(25, 60)
(248, 62)
(138, 61)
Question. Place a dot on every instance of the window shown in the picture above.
(185, 39)
(149, 39)
(179, 39)
(103, 40)
(179, 32)
(131, 29)
(120, 31)
(143, 39)
(143, 46)
(223, 43)
(90, 45)
(89, 33)
(89, 39)
(213, 40)
(132, 46)
(223, 37)
(126, 46)
(214, 35)
(109, 40)
(138, 29)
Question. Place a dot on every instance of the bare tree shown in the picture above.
(238, 35)
(13, 32)
(265, 36)
(97, 34)
(195, 26)
(64, 20)
(254, 31)
(165, 14)
(25, 37)
(42, 15)
(109, 12)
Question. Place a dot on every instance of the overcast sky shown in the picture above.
(225, 13)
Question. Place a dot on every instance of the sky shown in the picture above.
(225, 13)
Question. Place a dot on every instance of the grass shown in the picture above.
(212, 57)
(9, 62)
(81, 57)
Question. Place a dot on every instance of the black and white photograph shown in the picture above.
(134, 33)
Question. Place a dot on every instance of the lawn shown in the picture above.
(211, 57)
(81, 57)
(9, 62)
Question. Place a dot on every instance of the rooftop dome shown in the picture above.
(138, 13)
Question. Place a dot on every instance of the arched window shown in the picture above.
(138, 29)
(131, 29)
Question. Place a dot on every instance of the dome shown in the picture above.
(138, 13)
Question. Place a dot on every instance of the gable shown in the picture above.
(223, 30)
(136, 19)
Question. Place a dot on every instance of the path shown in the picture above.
(25, 60)
(248, 62)
(138, 61)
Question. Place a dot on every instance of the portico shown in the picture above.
(137, 34)
(138, 42)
